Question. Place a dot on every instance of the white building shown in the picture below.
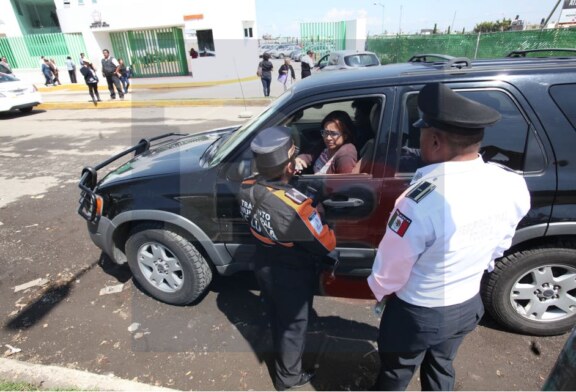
(155, 37)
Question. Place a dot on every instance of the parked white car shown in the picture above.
(347, 59)
(15, 94)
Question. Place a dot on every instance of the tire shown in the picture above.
(166, 265)
(534, 291)
(26, 110)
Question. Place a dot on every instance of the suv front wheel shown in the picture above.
(534, 291)
(166, 264)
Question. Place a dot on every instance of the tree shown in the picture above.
(490, 27)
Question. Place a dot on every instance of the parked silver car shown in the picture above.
(283, 51)
(266, 48)
(347, 59)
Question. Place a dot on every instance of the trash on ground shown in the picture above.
(133, 327)
(11, 350)
(112, 289)
(33, 283)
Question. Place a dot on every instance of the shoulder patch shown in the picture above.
(399, 223)
(421, 191)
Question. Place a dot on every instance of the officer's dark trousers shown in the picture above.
(114, 81)
(288, 293)
(412, 336)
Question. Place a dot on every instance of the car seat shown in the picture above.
(362, 165)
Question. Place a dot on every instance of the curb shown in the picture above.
(80, 86)
(56, 377)
(119, 104)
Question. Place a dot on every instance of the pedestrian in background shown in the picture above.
(55, 71)
(307, 64)
(111, 71)
(265, 68)
(4, 66)
(292, 240)
(125, 74)
(447, 228)
(286, 74)
(71, 67)
(47, 72)
(91, 79)
(82, 59)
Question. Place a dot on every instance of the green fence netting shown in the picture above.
(482, 45)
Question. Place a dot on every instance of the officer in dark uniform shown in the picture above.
(458, 215)
(292, 240)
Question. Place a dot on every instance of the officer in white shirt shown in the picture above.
(446, 229)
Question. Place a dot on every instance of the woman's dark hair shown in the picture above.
(344, 122)
(266, 56)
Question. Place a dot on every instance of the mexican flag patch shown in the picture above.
(399, 223)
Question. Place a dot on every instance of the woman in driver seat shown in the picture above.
(339, 154)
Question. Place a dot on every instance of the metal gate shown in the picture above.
(323, 38)
(158, 52)
(25, 52)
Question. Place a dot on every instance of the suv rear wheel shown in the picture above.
(166, 264)
(534, 291)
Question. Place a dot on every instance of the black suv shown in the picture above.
(172, 214)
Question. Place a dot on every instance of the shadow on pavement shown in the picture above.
(341, 350)
(49, 298)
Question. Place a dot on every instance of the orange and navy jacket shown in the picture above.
(282, 217)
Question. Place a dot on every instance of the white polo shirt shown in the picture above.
(446, 229)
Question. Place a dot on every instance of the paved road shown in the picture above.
(217, 344)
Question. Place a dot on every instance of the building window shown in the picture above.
(80, 2)
(248, 32)
(94, 1)
(205, 43)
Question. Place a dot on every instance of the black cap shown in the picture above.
(446, 110)
(271, 148)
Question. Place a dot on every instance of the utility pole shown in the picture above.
(550, 16)
(383, 8)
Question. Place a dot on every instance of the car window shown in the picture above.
(565, 97)
(361, 60)
(364, 113)
(503, 143)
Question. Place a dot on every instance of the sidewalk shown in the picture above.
(153, 92)
(60, 378)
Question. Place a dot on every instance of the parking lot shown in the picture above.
(90, 315)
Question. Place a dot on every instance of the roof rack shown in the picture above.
(449, 61)
(523, 53)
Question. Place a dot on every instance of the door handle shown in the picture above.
(343, 203)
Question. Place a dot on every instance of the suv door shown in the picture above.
(517, 141)
(356, 205)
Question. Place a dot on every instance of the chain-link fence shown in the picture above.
(482, 45)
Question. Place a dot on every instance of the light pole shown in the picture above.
(383, 8)
(400, 22)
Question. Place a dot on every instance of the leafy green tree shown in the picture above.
(491, 27)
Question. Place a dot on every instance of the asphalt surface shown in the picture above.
(219, 343)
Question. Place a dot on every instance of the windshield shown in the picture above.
(227, 145)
